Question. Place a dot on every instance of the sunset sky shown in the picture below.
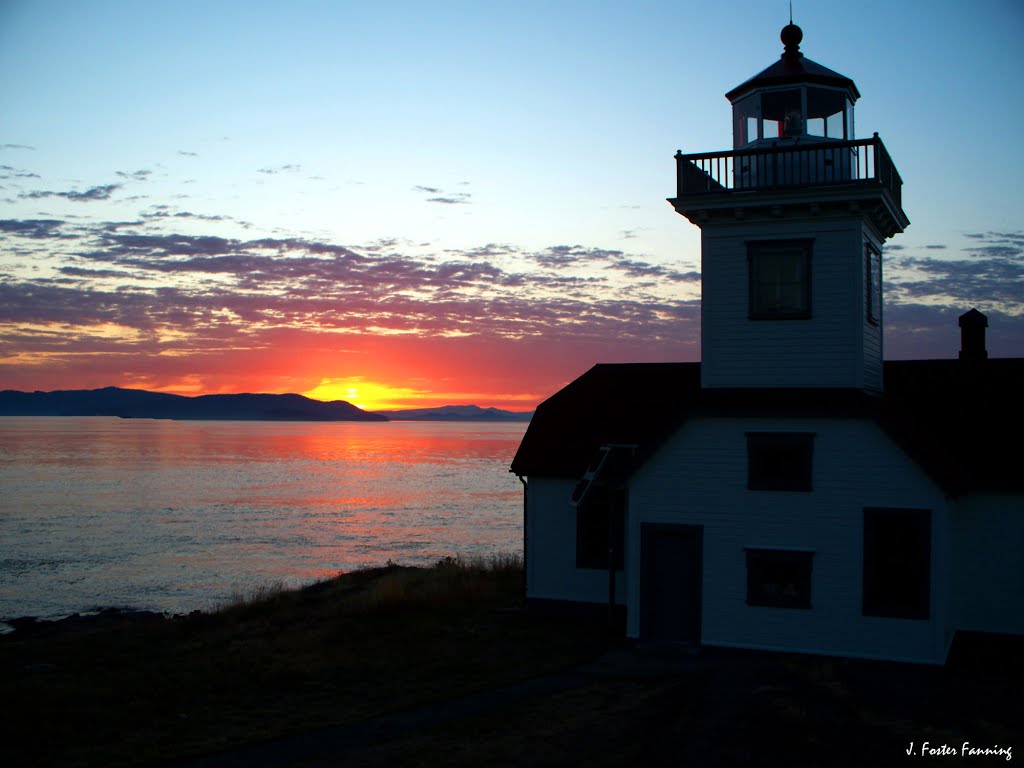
(409, 204)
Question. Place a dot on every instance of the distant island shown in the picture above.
(141, 404)
(457, 413)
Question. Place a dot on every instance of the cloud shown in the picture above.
(102, 192)
(35, 228)
(637, 269)
(95, 273)
(162, 212)
(446, 198)
(170, 299)
(184, 153)
(456, 200)
(280, 169)
(142, 175)
(7, 172)
(564, 256)
(199, 284)
(17, 146)
(991, 275)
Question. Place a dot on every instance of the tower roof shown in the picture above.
(792, 68)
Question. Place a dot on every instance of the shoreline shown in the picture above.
(98, 619)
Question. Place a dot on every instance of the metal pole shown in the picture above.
(611, 564)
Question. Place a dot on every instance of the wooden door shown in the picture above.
(670, 583)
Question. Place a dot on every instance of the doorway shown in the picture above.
(670, 582)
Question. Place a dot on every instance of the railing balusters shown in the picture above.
(841, 162)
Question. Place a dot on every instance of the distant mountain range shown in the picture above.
(140, 404)
(456, 413)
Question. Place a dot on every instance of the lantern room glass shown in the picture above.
(789, 113)
(826, 113)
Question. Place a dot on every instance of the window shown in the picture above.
(779, 461)
(782, 112)
(826, 113)
(745, 115)
(780, 279)
(779, 578)
(897, 563)
(592, 529)
(873, 283)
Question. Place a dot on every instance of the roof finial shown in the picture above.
(791, 36)
(790, 11)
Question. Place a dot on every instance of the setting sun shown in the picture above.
(368, 395)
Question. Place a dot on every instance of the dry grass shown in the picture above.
(272, 663)
(398, 639)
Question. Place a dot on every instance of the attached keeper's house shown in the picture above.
(791, 492)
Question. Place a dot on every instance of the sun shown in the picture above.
(368, 395)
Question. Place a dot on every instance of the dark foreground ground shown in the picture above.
(431, 667)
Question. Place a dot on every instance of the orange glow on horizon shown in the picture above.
(376, 396)
(368, 395)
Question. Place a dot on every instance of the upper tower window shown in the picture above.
(873, 283)
(782, 114)
(780, 279)
(826, 114)
(745, 115)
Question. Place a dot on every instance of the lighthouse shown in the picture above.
(793, 224)
(791, 491)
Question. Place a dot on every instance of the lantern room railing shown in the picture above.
(864, 161)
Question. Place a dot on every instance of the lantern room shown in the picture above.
(794, 100)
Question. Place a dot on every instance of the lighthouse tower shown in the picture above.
(792, 221)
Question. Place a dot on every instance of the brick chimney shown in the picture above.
(972, 336)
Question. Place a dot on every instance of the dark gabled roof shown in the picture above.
(793, 68)
(962, 421)
(954, 418)
(628, 404)
(792, 71)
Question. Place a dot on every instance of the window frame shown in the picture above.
(592, 531)
(873, 283)
(756, 251)
(765, 561)
(758, 475)
(891, 585)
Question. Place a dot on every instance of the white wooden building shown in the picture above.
(792, 491)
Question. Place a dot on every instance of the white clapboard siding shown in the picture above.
(835, 347)
(551, 537)
(699, 477)
(988, 567)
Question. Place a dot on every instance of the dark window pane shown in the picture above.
(826, 112)
(779, 578)
(592, 529)
(779, 461)
(897, 563)
(745, 121)
(780, 279)
(783, 114)
(873, 282)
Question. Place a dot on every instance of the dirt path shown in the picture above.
(368, 742)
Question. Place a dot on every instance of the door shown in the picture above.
(670, 582)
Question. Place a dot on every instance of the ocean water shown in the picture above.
(176, 516)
